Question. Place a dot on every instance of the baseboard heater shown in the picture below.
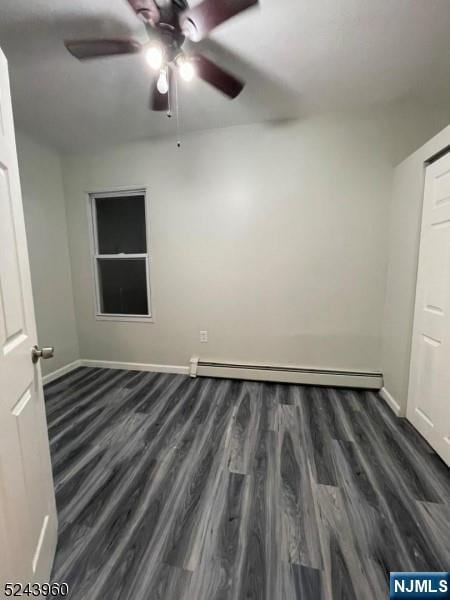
(286, 374)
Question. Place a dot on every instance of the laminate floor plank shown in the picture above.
(315, 427)
(300, 532)
(344, 574)
(218, 554)
(335, 416)
(270, 393)
(172, 488)
(242, 432)
(192, 520)
(223, 560)
(372, 531)
(226, 547)
(262, 563)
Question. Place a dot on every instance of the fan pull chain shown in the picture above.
(177, 108)
(169, 101)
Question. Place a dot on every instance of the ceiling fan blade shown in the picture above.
(86, 49)
(146, 10)
(217, 77)
(198, 21)
(161, 102)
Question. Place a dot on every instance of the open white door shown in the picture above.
(429, 385)
(28, 525)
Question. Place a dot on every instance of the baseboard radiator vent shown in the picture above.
(288, 374)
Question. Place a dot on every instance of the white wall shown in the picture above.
(45, 219)
(405, 220)
(272, 237)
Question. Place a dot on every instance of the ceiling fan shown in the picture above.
(169, 23)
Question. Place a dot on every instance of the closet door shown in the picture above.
(429, 385)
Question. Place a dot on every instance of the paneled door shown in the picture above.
(28, 525)
(429, 386)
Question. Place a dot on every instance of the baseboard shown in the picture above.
(393, 404)
(60, 372)
(109, 364)
(305, 376)
(286, 374)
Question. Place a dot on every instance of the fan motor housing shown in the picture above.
(169, 36)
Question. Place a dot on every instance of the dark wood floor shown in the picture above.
(199, 489)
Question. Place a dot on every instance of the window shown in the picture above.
(120, 255)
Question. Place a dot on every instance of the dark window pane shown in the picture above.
(123, 286)
(121, 225)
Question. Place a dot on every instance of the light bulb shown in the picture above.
(163, 82)
(154, 56)
(187, 70)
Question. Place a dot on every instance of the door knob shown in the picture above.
(45, 352)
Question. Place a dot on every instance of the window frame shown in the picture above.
(96, 256)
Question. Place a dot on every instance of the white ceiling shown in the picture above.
(298, 56)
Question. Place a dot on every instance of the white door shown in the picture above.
(28, 525)
(429, 386)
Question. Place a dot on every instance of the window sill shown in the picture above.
(125, 318)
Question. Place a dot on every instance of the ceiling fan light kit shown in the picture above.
(154, 55)
(186, 68)
(169, 23)
(163, 81)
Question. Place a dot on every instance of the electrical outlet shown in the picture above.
(203, 337)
